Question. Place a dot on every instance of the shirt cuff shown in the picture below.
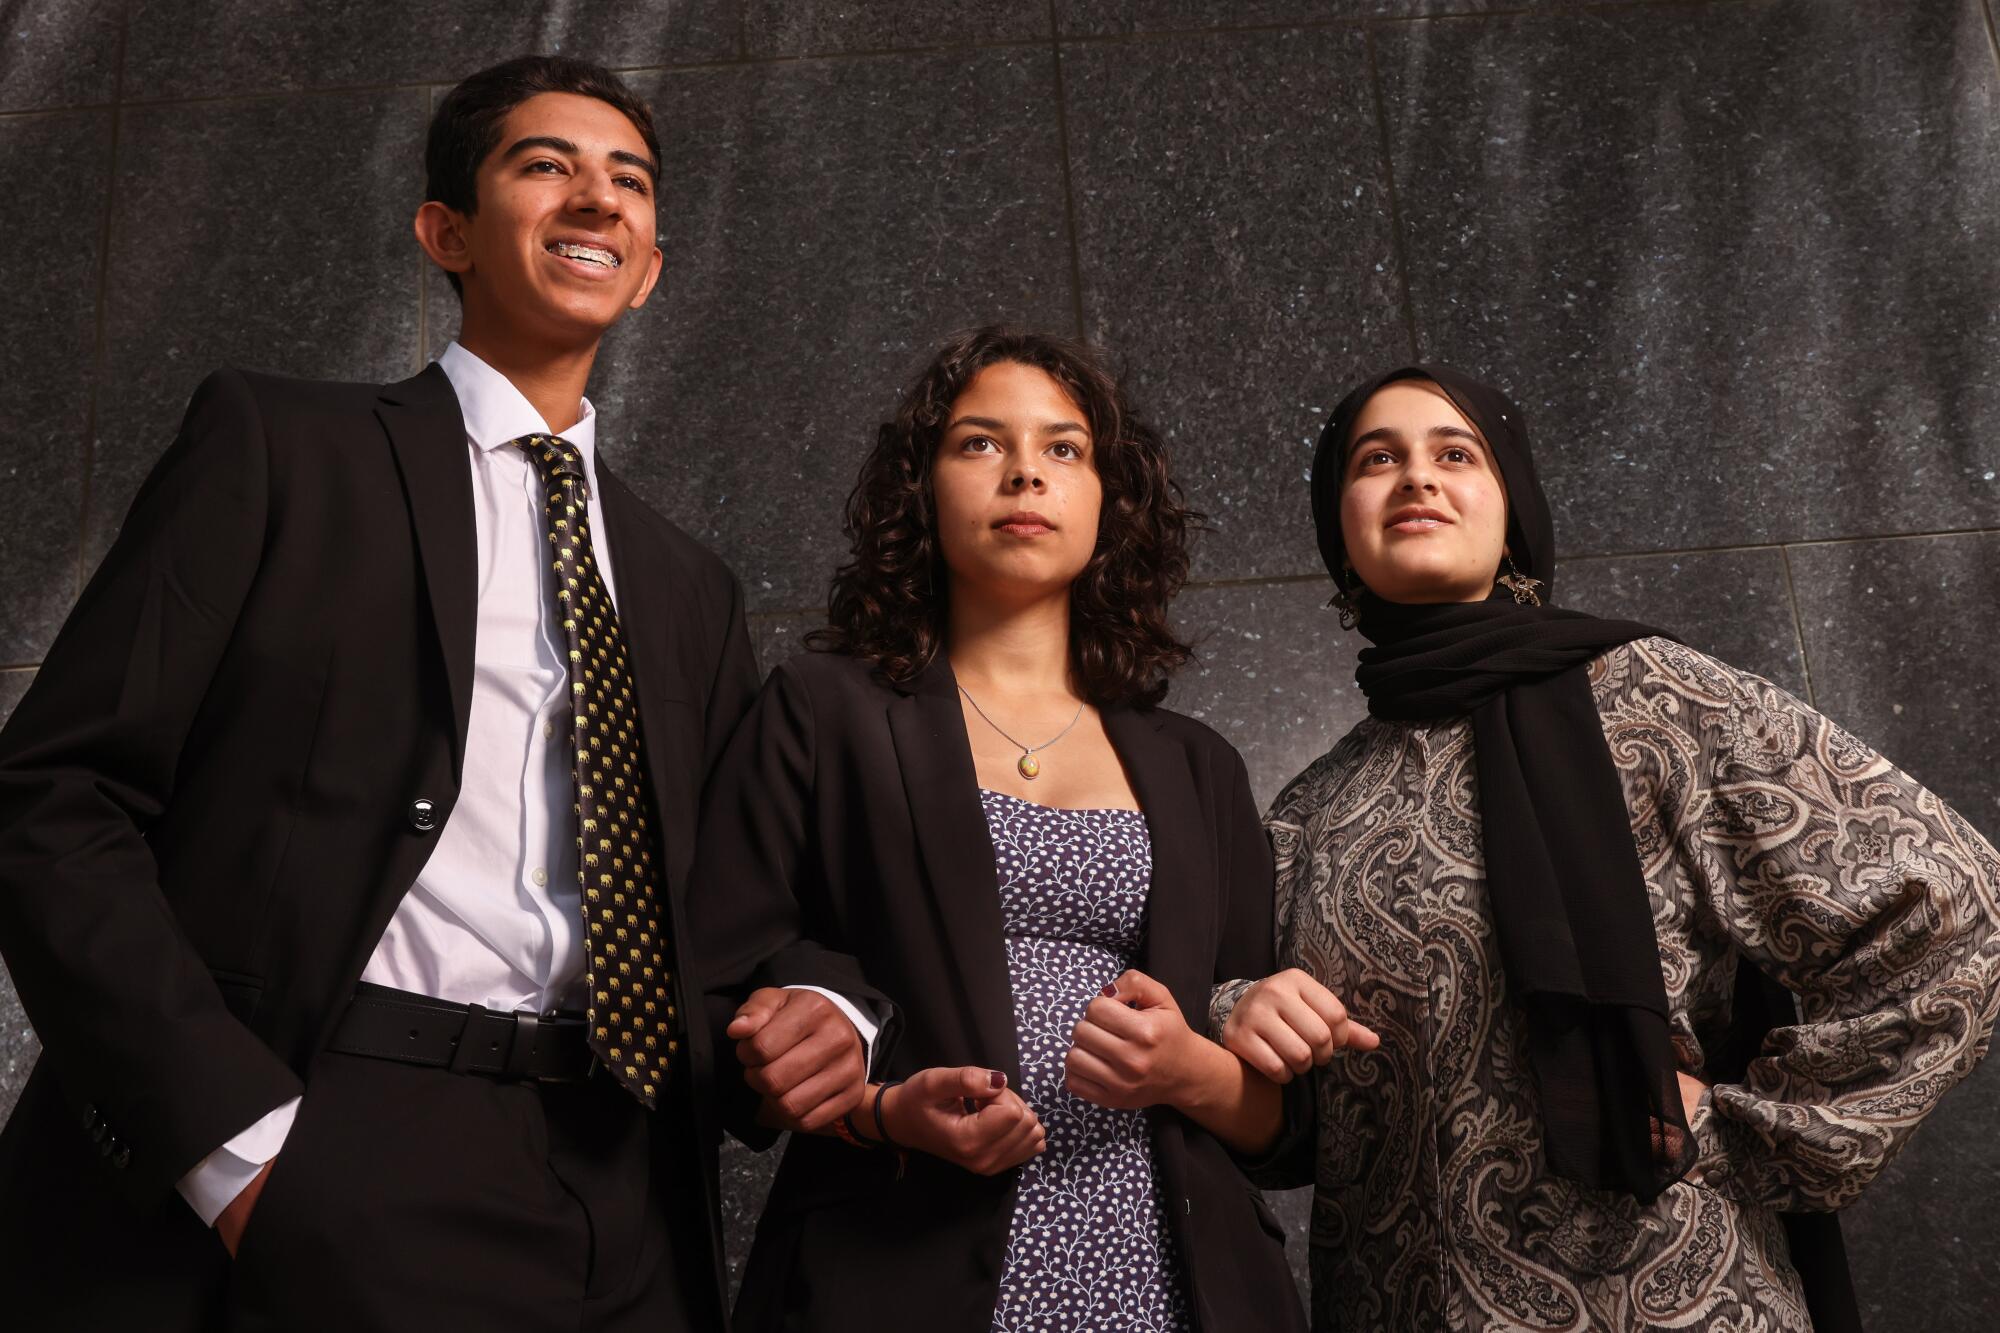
(1222, 1003)
(218, 1178)
(868, 1027)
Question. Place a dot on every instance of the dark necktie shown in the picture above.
(631, 1011)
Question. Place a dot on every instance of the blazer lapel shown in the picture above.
(943, 791)
(647, 588)
(648, 597)
(427, 432)
(1179, 947)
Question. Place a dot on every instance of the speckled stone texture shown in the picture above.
(777, 638)
(1904, 651)
(179, 50)
(18, 1047)
(309, 270)
(1233, 231)
(56, 53)
(801, 27)
(1739, 297)
(830, 222)
(1738, 259)
(1902, 641)
(746, 1179)
(1273, 673)
(49, 269)
(1734, 605)
(1081, 18)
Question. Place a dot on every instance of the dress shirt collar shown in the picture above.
(496, 412)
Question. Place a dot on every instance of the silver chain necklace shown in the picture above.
(1027, 765)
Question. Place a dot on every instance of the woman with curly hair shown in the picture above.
(1666, 965)
(971, 791)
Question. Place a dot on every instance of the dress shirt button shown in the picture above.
(548, 731)
(423, 814)
(541, 877)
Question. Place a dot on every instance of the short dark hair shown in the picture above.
(466, 126)
(887, 603)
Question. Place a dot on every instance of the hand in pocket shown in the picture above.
(229, 1223)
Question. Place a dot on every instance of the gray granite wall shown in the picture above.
(1739, 259)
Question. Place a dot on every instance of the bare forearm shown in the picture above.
(1229, 1099)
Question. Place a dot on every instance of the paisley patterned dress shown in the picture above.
(1764, 831)
(1088, 1247)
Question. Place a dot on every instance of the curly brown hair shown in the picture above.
(887, 603)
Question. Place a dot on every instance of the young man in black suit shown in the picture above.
(344, 832)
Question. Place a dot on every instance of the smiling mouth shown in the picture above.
(595, 255)
(1422, 520)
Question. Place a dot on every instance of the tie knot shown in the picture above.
(553, 457)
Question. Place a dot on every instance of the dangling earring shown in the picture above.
(1344, 600)
(1519, 584)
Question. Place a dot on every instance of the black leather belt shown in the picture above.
(464, 1038)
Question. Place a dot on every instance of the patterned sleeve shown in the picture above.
(1869, 899)
(1222, 1003)
(1289, 1162)
(1285, 838)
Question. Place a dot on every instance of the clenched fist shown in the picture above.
(801, 1055)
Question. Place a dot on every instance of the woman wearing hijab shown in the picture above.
(1576, 875)
(973, 795)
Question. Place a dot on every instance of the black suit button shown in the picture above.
(90, 1116)
(100, 1133)
(423, 814)
(121, 1157)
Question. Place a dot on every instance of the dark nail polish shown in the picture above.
(971, 1107)
(996, 1079)
(1110, 989)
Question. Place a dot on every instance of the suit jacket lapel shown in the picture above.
(427, 432)
(648, 596)
(647, 587)
(1179, 946)
(943, 791)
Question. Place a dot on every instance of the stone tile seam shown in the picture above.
(1068, 187)
(422, 357)
(1593, 8)
(1798, 627)
(1397, 241)
(1610, 7)
(100, 341)
(1284, 580)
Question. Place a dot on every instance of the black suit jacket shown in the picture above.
(849, 808)
(208, 804)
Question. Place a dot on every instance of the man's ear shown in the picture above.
(440, 230)
(652, 278)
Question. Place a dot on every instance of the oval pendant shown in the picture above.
(1029, 767)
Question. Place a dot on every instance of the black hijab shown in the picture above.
(1570, 907)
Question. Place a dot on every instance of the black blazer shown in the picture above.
(850, 807)
(208, 805)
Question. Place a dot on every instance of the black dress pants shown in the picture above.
(409, 1198)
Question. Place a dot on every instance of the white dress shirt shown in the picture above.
(494, 917)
